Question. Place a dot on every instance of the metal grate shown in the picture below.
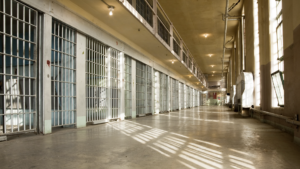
(163, 92)
(140, 88)
(175, 103)
(63, 74)
(149, 89)
(96, 80)
(128, 90)
(191, 97)
(181, 95)
(18, 56)
(188, 98)
(145, 11)
(114, 75)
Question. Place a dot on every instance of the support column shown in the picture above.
(171, 37)
(181, 51)
(80, 81)
(122, 84)
(46, 46)
(109, 90)
(155, 17)
(134, 4)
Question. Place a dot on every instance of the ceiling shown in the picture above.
(193, 19)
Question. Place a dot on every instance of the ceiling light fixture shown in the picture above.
(172, 61)
(205, 35)
(210, 55)
(111, 9)
(212, 65)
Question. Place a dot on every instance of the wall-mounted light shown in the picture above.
(111, 9)
(212, 65)
(172, 61)
(190, 76)
(209, 55)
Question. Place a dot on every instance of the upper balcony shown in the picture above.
(144, 26)
(152, 15)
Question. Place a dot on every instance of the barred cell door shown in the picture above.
(191, 97)
(141, 82)
(175, 94)
(157, 103)
(96, 80)
(128, 90)
(114, 83)
(176, 99)
(18, 67)
(63, 74)
(185, 96)
(188, 98)
(149, 90)
(163, 92)
(195, 98)
(181, 95)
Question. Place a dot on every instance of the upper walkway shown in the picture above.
(202, 137)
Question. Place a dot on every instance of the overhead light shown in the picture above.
(111, 9)
(205, 35)
(210, 55)
(213, 71)
(190, 76)
(212, 65)
(172, 61)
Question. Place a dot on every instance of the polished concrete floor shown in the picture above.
(204, 137)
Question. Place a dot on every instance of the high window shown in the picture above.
(277, 55)
(256, 53)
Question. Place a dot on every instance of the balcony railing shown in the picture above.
(144, 8)
(160, 24)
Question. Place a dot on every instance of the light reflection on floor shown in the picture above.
(188, 152)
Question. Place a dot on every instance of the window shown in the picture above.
(256, 53)
(277, 67)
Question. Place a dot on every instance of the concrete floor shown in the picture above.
(204, 137)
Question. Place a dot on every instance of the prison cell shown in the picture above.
(188, 98)
(128, 90)
(175, 94)
(191, 97)
(140, 88)
(149, 90)
(114, 82)
(18, 58)
(195, 97)
(96, 80)
(185, 96)
(181, 95)
(163, 97)
(63, 74)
